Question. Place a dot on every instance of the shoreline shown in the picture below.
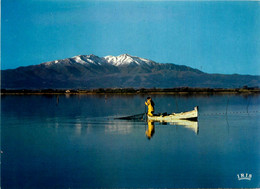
(131, 91)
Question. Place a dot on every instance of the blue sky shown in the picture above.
(215, 37)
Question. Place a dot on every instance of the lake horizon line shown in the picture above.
(136, 91)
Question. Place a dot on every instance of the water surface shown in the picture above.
(75, 142)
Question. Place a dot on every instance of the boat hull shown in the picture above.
(190, 115)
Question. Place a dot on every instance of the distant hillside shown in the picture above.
(90, 71)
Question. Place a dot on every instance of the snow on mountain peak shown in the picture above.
(121, 60)
(126, 59)
(89, 59)
(78, 59)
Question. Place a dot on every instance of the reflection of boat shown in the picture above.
(190, 115)
(192, 125)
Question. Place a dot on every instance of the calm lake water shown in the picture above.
(75, 142)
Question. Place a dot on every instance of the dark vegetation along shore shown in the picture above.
(181, 90)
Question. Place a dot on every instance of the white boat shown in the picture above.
(190, 115)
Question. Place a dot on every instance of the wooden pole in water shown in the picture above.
(145, 118)
(145, 114)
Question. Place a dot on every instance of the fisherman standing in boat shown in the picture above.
(150, 105)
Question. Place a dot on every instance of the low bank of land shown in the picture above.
(177, 91)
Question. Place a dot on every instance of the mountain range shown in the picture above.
(91, 71)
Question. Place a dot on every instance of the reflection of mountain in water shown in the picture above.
(111, 126)
(118, 127)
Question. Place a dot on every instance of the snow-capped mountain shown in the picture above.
(126, 59)
(91, 71)
(121, 60)
(81, 59)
